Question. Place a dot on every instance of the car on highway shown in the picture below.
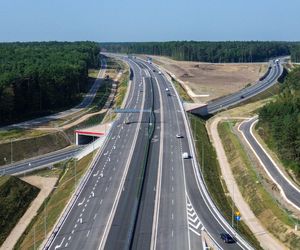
(159, 72)
(186, 155)
(154, 70)
(179, 136)
(227, 238)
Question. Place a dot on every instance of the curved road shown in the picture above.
(288, 189)
(244, 94)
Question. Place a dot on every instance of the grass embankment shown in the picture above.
(15, 197)
(263, 135)
(181, 91)
(55, 203)
(207, 158)
(266, 209)
(22, 149)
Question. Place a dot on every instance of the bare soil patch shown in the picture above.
(213, 79)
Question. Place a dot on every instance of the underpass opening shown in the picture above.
(85, 137)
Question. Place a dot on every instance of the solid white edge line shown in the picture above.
(265, 168)
(117, 198)
(159, 174)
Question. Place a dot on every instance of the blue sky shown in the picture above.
(155, 20)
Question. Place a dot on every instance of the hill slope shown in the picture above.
(15, 197)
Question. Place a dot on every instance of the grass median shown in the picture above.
(273, 217)
(53, 206)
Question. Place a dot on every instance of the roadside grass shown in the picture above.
(26, 148)
(121, 90)
(211, 172)
(262, 134)
(93, 73)
(55, 203)
(15, 197)
(12, 134)
(181, 91)
(273, 217)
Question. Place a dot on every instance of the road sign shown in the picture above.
(237, 213)
(237, 218)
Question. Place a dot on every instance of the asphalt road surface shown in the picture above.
(125, 204)
(39, 162)
(244, 94)
(290, 191)
(87, 223)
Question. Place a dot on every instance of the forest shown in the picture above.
(38, 78)
(215, 52)
(280, 120)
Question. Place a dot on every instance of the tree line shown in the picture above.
(281, 121)
(215, 52)
(41, 77)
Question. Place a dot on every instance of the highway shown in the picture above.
(39, 162)
(126, 204)
(246, 93)
(184, 206)
(288, 189)
(87, 222)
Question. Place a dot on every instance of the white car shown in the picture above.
(179, 136)
(159, 72)
(185, 155)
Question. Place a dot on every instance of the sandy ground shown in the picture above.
(45, 185)
(213, 79)
(266, 240)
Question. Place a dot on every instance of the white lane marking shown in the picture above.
(92, 193)
(194, 222)
(80, 203)
(58, 246)
(96, 173)
(75, 226)
(117, 196)
(67, 244)
(101, 202)
(87, 235)
(172, 233)
(172, 216)
(80, 215)
(70, 237)
(88, 200)
(106, 189)
(95, 216)
(159, 174)
(72, 231)
(172, 202)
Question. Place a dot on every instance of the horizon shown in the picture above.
(133, 20)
